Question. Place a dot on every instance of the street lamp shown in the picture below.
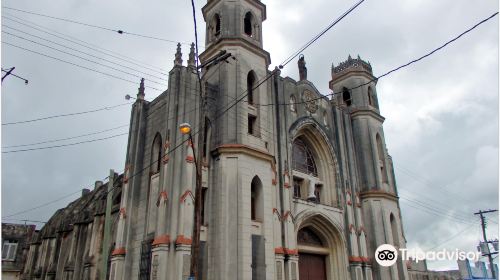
(185, 129)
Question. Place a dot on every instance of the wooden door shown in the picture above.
(312, 267)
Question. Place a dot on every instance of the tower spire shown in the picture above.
(178, 56)
(141, 94)
(191, 60)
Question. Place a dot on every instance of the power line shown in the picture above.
(80, 57)
(42, 205)
(75, 64)
(119, 31)
(452, 237)
(67, 115)
(64, 145)
(79, 51)
(315, 38)
(395, 69)
(84, 44)
(64, 139)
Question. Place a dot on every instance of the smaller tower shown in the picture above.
(372, 173)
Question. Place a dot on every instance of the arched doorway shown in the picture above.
(312, 255)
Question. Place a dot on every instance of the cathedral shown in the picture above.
(294, 184)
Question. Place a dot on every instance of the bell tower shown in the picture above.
(374, 182)
(239, 142)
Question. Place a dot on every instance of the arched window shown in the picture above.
(156, 154)
(303, 160)
(346, 95)
(381, 158)
(248, 22)
(292, 104)
(256, 203)
(394, 230)
(250, 86)
(370, 94)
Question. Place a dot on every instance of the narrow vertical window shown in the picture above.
(256, 205)
(297, 183)
(381, 158)
(247, 22)
(203, 205)
(250, 87)
(217, 25)
(394, 230)
(370, 98)
(252, 121)
(292, 103)
(346, 95)
(156, 154)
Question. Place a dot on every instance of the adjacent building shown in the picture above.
(15, 245)
(295, 185)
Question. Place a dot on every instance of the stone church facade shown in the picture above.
(295, 185)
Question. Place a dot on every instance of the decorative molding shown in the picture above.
(161, 240)
(182, 240)
(184, 196)
(378, 194)
(119, 252)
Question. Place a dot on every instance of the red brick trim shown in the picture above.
(161, 240)
(182, 240)
(355, 259)
(119, 252)
(189, 159)
(186, 193)
(287, 186)
(349, 203)
(274, 182)
(292, 252)
(351, 228)
(279, 250)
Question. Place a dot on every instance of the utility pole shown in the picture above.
(107, 225)
(488, 253)
(195, 245)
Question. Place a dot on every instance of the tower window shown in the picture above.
(248, 24)
(381, 158)
(216, 23)
(346, 95)
(252, 125)
(256, 203)
(370, 93)
(250, 86)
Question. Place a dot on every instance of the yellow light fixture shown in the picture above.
(185, 128)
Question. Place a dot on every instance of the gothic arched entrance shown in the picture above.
(312, 255)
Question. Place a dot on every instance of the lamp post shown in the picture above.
(185, 129)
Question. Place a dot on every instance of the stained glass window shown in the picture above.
(303, 160)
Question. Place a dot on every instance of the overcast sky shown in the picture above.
(441, 114)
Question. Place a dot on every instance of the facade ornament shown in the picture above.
(302, 68)
(310, 102)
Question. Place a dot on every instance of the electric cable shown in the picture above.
(85, 44)
(75, 64)
(119, 31)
